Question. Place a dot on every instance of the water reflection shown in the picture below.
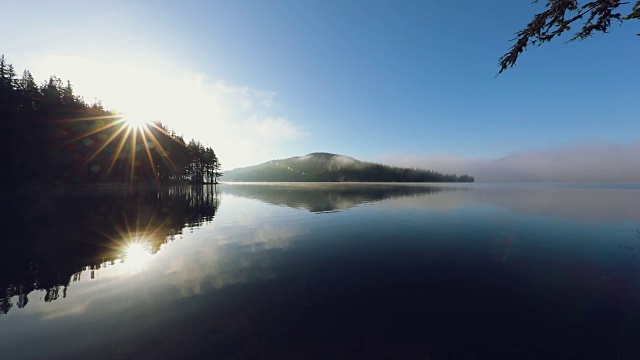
(426, 273)
(54, 235)
(603, 204)
(325, 197)
(589, 204)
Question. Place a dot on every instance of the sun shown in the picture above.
(133, 121)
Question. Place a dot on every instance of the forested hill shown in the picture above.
(325, 167)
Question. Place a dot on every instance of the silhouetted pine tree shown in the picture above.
(51, 135)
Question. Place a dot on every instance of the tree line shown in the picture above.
(364, 173)
(325, 167)
(52, 135)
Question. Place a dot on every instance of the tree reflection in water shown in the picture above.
(53, 235)
(329, 197)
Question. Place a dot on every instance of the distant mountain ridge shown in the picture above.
(327, 167)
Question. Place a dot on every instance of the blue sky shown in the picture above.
(406, 83)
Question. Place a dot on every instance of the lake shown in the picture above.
(322, 271)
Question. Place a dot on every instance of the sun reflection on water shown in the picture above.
(136, 254)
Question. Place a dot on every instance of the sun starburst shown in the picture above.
(127, 136)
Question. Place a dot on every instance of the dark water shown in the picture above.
(322, 271)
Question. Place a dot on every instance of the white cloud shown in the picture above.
(274, 128)
(238, 122)
(585, 162)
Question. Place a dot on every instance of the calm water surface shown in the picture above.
(322, 271)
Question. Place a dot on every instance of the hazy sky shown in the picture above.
(407, 83)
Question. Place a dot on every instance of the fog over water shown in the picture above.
(584, 162)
